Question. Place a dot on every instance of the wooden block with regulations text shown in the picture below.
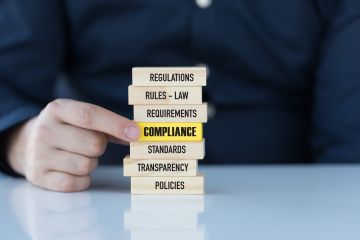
(168, 185)
(169, 76)
(164, 95)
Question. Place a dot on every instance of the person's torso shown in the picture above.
(260, 54)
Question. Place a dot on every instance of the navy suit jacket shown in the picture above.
(284, 82)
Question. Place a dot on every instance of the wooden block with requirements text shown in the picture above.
(171, 113)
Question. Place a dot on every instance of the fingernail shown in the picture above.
(132, 132)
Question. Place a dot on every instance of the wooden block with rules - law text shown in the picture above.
(164, 95)
(169, 76)
(168, 185)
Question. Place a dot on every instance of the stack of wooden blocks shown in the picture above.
(169, 111)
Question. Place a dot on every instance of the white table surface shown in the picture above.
(242, 202)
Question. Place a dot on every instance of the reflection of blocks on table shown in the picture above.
(169, 111)
(166, 234)
(164, 217)
(160, 220)
(168, 203)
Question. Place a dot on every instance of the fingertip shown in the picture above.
(132, 132)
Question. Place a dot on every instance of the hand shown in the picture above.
(58, 149)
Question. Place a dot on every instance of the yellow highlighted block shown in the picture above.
(170, 132)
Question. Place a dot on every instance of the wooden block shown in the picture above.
(168, 203)
(167, 185)
(167, 132)
(151, 168)
(167, 150)
(171, 113)
(169, 76)
(165, 95)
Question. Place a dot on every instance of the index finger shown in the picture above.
(90, 116)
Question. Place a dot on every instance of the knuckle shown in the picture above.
(34, 176)
(67, 184)
(87, 181)
(53, 106)
(85, 115)
(97, 145)
(85, 166)
(70, 184)
(42, 131)
(34, 162)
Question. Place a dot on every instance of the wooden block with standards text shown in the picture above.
(164, 95)
(168, 185)
(170, 132)
(171, 113)
(151, 168)
(167, 150)
(169, 76)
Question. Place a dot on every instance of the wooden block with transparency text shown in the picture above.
(151, 168)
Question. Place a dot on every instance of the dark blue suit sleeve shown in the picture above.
(336, 116)
(31, 57)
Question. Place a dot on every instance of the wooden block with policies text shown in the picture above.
(167, 185)
(167, 150)
(164, 95)
(170, 132)
(150, 168)
(171, 113)
(169, 76)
